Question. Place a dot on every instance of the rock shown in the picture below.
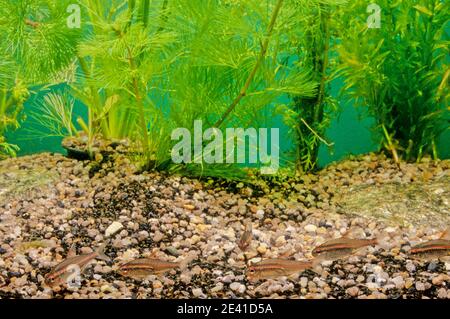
(408, 283)
(442, 293)
(262, 249)
(237, 287)
(158, 236)
(310, 228)
(432, 266)
(352, 291)
(410, 267)
(143, 235)
(399, 282)
(303, 282)
(260, 214)
(217, 288)
(113, 228)
(420, 286)
(198, 293)
(440, 279)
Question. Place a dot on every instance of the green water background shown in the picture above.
(351, 131)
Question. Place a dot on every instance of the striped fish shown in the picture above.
(433, 249)
(60, 274)
(340, 248)
(273, 268)
(144, 267)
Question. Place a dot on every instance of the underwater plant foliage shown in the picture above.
(399, 71)
(309, 117)
(145, 67)
(30, 60)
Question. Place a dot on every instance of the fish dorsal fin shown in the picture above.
(445, 234)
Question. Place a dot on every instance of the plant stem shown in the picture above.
(258, 64)
(319, 106)
(137, 94)
(390, 145)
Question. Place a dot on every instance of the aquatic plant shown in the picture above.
(308, 117)
(144, 68)
(32, 55)
(396, 64)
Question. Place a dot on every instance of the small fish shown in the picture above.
(433, 249)
(63, 270)
(246, 238)
(144, 267)
(273, 268)
(340, 248)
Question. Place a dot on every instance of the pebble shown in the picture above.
(399, 282)
(198, 293)
(310, 228)
(420, 286)
(353, 291)
(237, 287)
(113, 228)
(440, 279)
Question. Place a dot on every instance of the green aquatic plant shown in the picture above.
(394, 61)
(32, 55)
(308, 117)
(144, 68)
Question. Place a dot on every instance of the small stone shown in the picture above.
(189, 207)
(217, 288)
(158, 236)
(352, 291)
(432, 266)
(143, 235)
(260, 214)
(442, 293)
(410, 267)
(113, 228)
(198, 293)
(303, 282)
(420, 286)
(235, 286)
(310, 228)
(262, 249)
(399, 282)
(439, 280)
(408, 283)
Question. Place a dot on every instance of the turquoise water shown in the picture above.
(351, 132)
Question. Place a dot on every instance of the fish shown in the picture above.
(273, 268)
(340, 248)
(433, 249)
(60, 274)
(246, 238)
(143, 267)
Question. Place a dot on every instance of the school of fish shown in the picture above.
(330, 250)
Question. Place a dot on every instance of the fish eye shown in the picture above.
(252, 271)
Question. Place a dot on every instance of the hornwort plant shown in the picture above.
(29, 59)
(308, 117)
(399, 71)
(144, 68)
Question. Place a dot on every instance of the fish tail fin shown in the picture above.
(101, 252)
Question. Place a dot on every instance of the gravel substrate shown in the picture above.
(47, 202)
